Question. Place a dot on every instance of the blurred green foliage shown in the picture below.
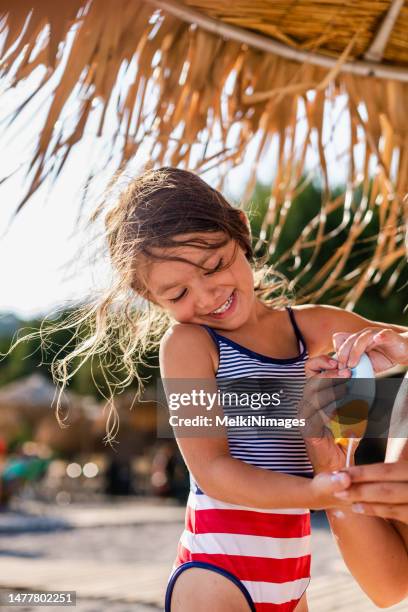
(29, 357)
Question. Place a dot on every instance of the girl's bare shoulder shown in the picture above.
(188, 350)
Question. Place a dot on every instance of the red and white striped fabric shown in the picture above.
(267, 550)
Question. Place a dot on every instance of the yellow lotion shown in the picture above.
(349, 421)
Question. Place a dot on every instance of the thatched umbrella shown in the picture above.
(199, 80)
(29, 402)
(31, 398)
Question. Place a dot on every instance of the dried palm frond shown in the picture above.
(183, 87)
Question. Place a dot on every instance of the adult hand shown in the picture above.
(325, 384)
(379, 489)
(385, 348)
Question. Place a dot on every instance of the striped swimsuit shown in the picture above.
(266, 553)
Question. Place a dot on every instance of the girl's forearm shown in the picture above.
(236, 482)
(374, 553)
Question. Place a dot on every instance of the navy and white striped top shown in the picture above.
(285, 453)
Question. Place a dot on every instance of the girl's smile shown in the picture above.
(227, 308)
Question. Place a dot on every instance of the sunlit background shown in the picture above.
(63, 490)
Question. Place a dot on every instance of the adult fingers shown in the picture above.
(392, 345)
(342, 343)
(359, 346)
(376, 492)
(397, 512)
(351, 349)
(338, 339)
(388, 336)
(377, 472)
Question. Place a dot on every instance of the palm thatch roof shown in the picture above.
(186, 75)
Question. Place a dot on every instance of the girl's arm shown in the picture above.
(186, 365)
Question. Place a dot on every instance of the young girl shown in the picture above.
(179, 244)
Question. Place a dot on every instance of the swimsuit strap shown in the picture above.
(215, 337)
(298, 333)
(212, 333)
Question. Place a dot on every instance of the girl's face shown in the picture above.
(222, 298)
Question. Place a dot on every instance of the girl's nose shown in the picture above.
(206, 300)
(204, 303)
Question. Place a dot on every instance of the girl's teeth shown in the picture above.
(224, 307)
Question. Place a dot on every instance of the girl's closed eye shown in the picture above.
(215, 269)
(177, 298)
